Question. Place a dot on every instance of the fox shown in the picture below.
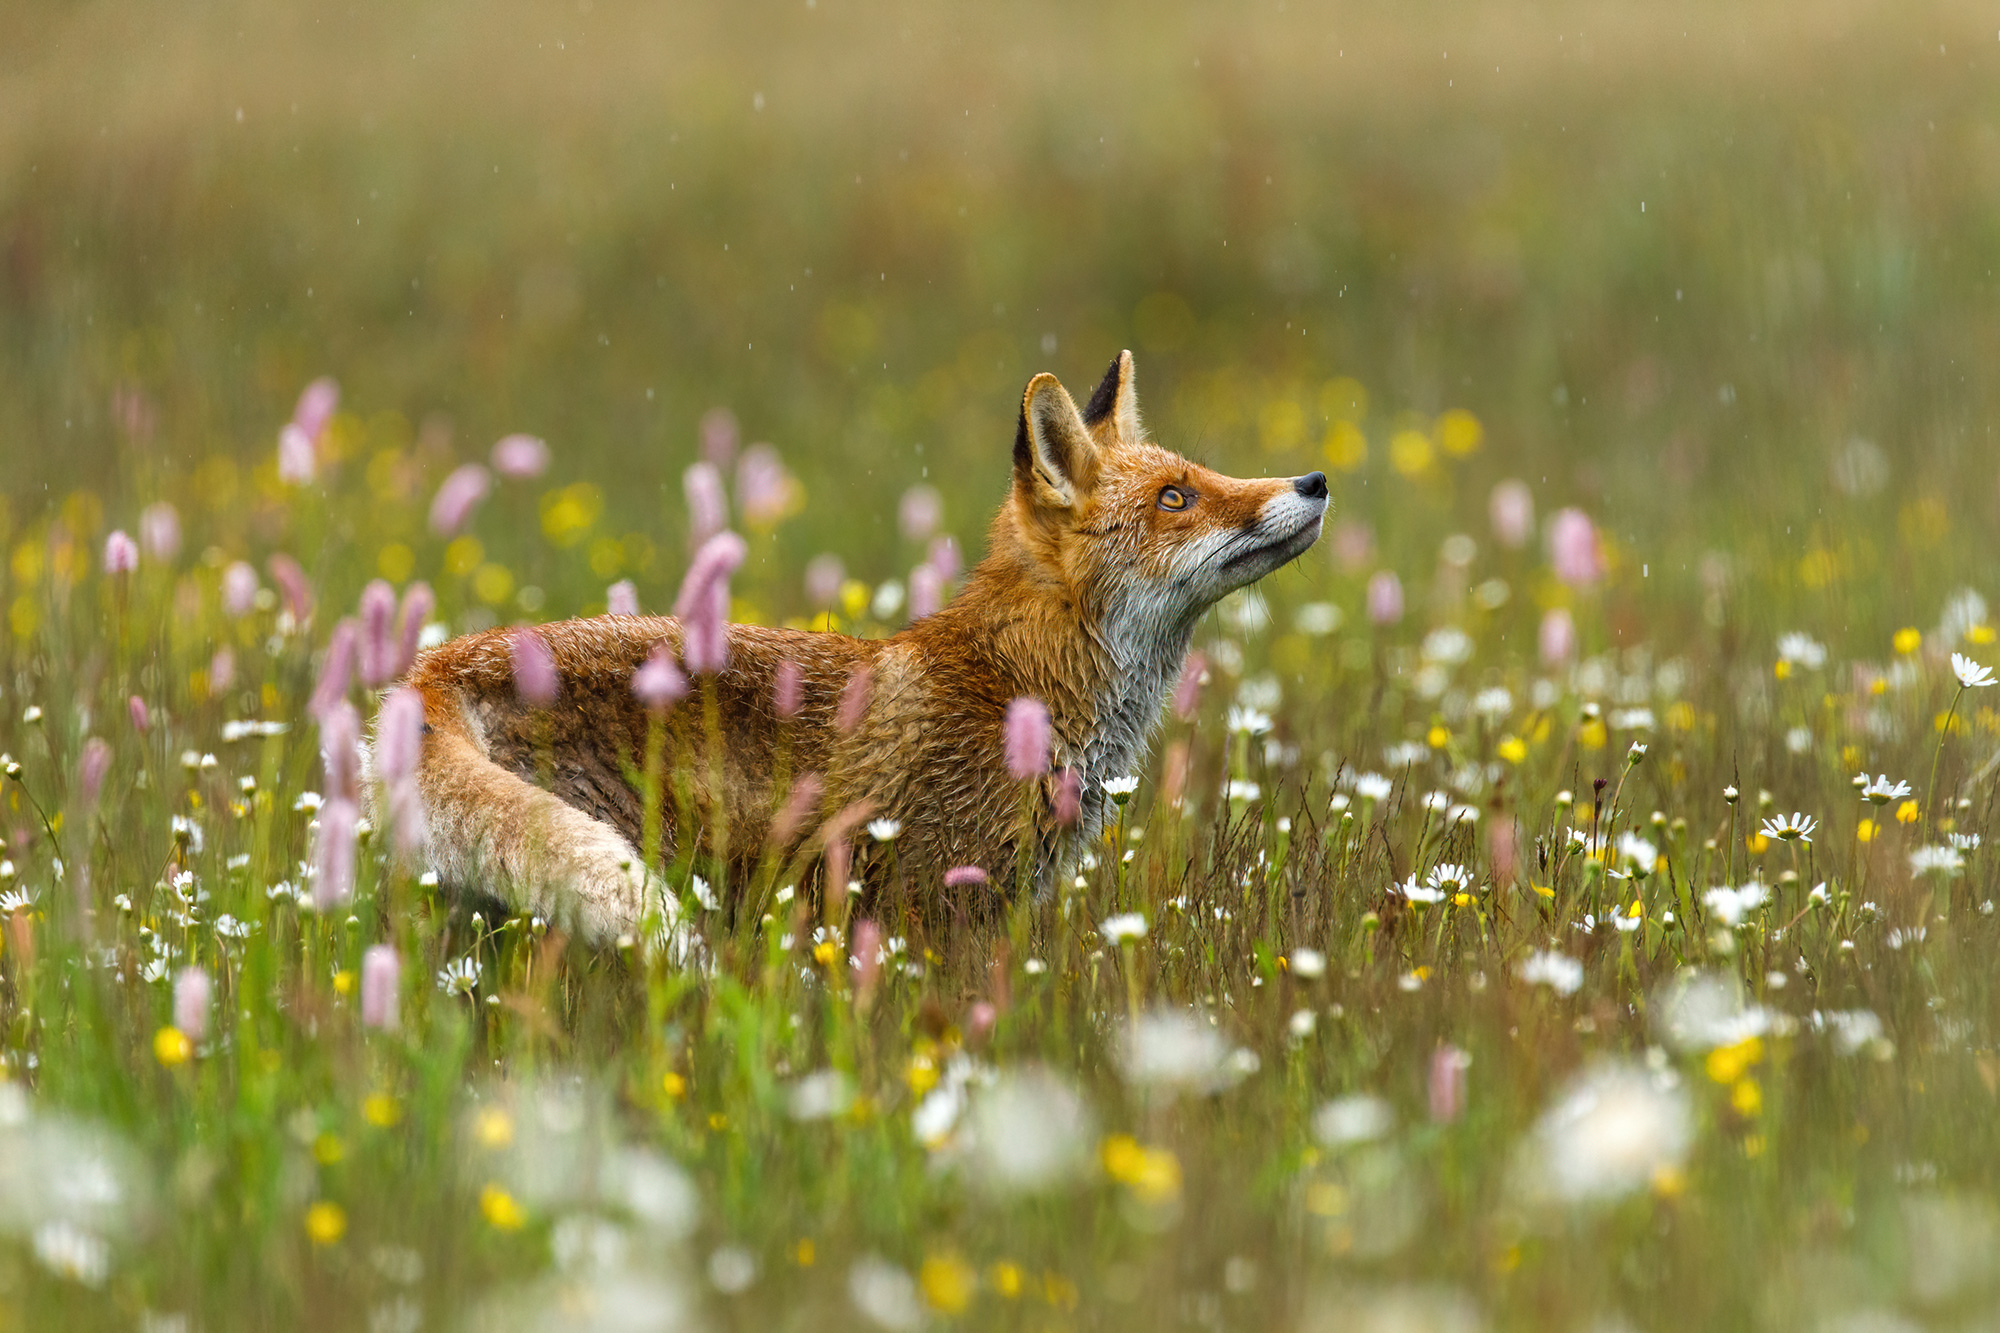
(1100, 561)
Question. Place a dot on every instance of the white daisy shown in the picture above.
(460, 976)
(1880, 791)
(1971, 675)
(1796, 827)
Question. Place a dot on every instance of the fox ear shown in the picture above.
(1055, 460)
(1116, 400)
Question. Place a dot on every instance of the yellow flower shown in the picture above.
(326, 1222)
(464, 555)
(1545, 890)
(1757, 843)
(500, 1209)
(1410, 453)
(1909, 639)
(1726, 1064)
(493, 1128)
(1669, 1182)
(826, 953)
(1438, 737)
(803, 1253)
(1153, 1174)
(1747, 1097)
(328, 1149)
(922, 1075)
(343, 982)
(1980, 634)
(1783, 670)
(1005, 1278)
(1460, 433)
(1908, 813)
(1345, 447)
(382, 1110)
(1513, 749)
(171, 1047)
(948, 1283)
(1060, 1292)
(718, 1121)
(674, 1085)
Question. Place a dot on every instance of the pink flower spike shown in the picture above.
(340, 750)
(142, 717)
(1557, 638)
(926, 592)
(316, 406)
(121, 553)
(334, 853)
(298, 457)
(719, 436)
(920, 512)
(1575, 549)
(867, 955)
(194, 995)
(1069, 798)
(1353, 545)
(824, 575)
(1447, 1083)
(708, 506)
(297, 587)
(1027, 738)
(379, 648)
(703, 604)
(221, 670)
(658, 683)
(336, 670)
(91, 767)
(803, 800)
(1512, 510)
(763, 487)
(418, 603)
(160, 531)
(1385, 597)
(788, 688)
(521, 457)
(854, 696)
(1187, 690)
(979, 1020)
(964, 877)
(945, 557)
(399, 735)
(622, 599)
(239, 590)
(535, 677)
(381, 987)
(457, 496)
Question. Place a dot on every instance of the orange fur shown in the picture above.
(1086, 599)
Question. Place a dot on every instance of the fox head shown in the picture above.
(1143, 539)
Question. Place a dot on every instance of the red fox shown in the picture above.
(1104, 555)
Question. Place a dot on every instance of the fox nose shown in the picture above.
(1312, 485)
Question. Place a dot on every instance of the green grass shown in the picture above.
(515, 219)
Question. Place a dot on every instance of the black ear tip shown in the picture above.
(1105, 398)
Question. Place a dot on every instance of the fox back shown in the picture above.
(1106, 552)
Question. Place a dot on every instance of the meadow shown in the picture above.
(1563, 899)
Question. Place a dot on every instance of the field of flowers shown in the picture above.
(1564, 899)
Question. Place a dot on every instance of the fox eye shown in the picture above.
(1174, 498)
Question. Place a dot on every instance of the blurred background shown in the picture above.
(1721, 274)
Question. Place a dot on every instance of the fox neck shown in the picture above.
(1101, 663)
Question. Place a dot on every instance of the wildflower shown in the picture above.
(334, 853)
(824, 576)
(1026, 1131)
(1121, 789)
(1559, 972)
(1308, 963)
(1385, 597)
(71, 1252)
(171, 1047)
(1511, 508)
(719, 436)
(457, 496)
(1639, 855)
(1636, 753)
(658, 683)
(945, 557)
(1880, 791)
(964, 877)
(884, 830)
(1801, 650)
(291, 577)
(1152, 1174)
(239, 589)
(1027, 738)
(1123, 928)
(703, 603)
(1964, 842)
(336, 670)
(314, 410)
(121, 553)
(1796, 828)
(763, 488)
(1971, 675)
(534, 667)
(1447, 877)
(1187, 690)
(1181, 1051)
(381, 984)
(417, 605)
(340, 750)
(192, 996)
(460, 976)
(1418, 893)
(1067, 803)
(926, 592)
(298, 460)
(621, 599)
(1575, 549)
(919, 512)
(1934, 860)
(1731, 906)
(1730, 794)
(1243, 790)
(377, 637)
(521, 457)
(1615, 1130)
(1355, 1118)
(1556, 640)
(1373, 786)
(14, 902)
(1447, 1083)
(708, 506)
(884, 1293)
